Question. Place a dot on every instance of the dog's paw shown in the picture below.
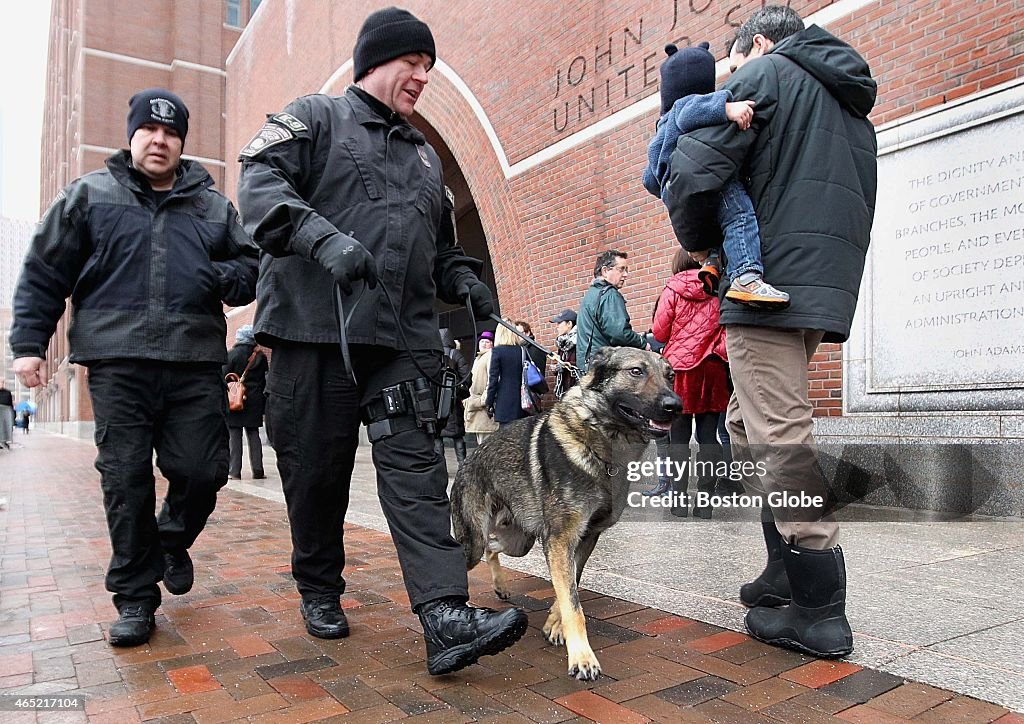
(553, 629)
(502, 591)
(585, 667)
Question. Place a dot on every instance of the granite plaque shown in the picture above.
(947, 254)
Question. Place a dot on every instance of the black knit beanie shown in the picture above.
(156, 105)
(387, 34)
(686, 72)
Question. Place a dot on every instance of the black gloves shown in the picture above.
(478, 296)
(347, 260)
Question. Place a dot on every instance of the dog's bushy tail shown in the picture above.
(465, 525)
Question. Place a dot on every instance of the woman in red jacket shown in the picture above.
(687, 322)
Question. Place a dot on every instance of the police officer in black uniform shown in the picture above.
(343, 191)
(147, 251)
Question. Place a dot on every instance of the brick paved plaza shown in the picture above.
(234, 648)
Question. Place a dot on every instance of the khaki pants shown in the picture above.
(769, 419)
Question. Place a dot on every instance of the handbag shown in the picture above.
(528, 399)
(533, 375)
(236, 385)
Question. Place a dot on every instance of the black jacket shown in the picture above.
(255, 385)
(505, 383)
(456, 425)
(810, 161)
(145, 281)
(333, 166)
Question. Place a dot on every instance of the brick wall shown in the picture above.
(543, 71)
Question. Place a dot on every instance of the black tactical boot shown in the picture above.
(458, 634)
(134, 625)
(324, 617)
(771, 588)
(814, 622)
(178, 572)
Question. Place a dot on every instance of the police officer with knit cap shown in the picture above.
(148, 252)
(344, 191)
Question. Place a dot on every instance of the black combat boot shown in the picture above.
(134, 625)
(458, 634)
(324, 617)
(178, 572)
(771, 588)
(814, 622)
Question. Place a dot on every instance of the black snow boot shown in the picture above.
(814, 622)
(771, 588)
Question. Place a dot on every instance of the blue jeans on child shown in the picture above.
(740, 237)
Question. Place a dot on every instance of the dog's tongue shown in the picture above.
(655, 425)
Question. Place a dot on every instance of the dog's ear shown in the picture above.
(599, 367)
(602, 357)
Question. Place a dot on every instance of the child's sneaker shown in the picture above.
(754, 291)
(710, 274)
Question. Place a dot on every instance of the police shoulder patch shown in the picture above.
(270, 135)
(450, 196)
(289, 121)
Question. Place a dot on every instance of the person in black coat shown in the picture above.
(250, 417)
(506, 376)
(455, 429)
(147, 253)
(536, 354)
(343, 193)
(6, 416)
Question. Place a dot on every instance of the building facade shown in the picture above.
(15, 235)
(541, 113)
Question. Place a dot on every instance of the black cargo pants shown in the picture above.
(178, 410)
(313, 411)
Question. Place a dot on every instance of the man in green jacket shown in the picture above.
(603, 320)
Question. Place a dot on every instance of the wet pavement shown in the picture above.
(942, 605)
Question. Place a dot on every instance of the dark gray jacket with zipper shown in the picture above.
(145, 281)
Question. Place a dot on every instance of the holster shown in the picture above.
(413, 404)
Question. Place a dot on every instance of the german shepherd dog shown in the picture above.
(560, 477)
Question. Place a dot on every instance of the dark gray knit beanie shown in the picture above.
(156, 105)
(387, 34)
(686, 72)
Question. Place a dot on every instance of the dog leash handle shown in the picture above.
(339, 314)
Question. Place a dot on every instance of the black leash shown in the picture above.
(339, 315)
(342, 321)
(512, 328)
(573, 370)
